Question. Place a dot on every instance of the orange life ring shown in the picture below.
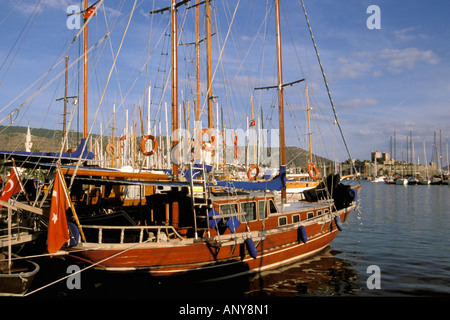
(155, 145)
(250, 170)
(213, 141)
(237, 153)
(312, 171)
(235, 139)
(110, 149)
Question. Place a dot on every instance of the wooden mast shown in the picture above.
(85, 72)
(280, 94)
(208, 64)
(197, 54)
(309, 125)
(175, 212)
(174, 84)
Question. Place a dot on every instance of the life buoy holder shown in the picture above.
(155, 145)
(213, 141)
(312, 171)
(250, 170)
(110, 149)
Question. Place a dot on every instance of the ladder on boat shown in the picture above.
(200, 220)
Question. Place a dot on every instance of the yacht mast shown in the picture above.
(280, 94)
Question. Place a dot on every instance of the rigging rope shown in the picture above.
(326, 85)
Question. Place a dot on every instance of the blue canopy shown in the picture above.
(278, 183)
(52, 156)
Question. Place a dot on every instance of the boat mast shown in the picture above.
(174, 85)
(85, 71)
(309, 126)
(280, 94)
(197, 54)
(208, 64)
(175, 212)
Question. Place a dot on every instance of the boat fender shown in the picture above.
(251, 248)
(352, 193)
(74, 234)
(338, 222)
(302, 234)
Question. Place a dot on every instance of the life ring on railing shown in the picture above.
(250, 170)
(155, 145)
(213, 141)
(237, 153)
(110, 149)
(312, 171)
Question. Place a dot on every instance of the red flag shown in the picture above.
(58, 232)
(252, 124)
(12, 186)
(90, 12)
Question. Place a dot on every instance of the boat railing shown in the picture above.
(132, 234)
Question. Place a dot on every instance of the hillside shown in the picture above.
(44, 140)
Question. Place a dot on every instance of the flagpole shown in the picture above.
(71, 204)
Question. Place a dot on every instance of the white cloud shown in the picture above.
(398, 59)
(374, 63)
(357, 103)
(407, 34)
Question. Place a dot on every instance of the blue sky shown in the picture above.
(395, 78)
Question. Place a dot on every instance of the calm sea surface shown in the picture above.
(403, 230)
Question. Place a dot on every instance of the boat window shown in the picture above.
(326, 211)
(310, 215)
(228, 208)
(250, 210)
(282, 221)
(319, 212)
(295, 218)
(272, 207)
(262, 209)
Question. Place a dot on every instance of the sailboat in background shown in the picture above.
(426, 180)
(299, 184)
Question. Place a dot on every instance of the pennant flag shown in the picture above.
(12, 186)
(92, 11)
(252, 124)
(58, 232)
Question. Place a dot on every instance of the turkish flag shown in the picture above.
(12, 186)
(58, 232)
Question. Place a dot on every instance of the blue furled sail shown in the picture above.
(278, 183)
(81, 152)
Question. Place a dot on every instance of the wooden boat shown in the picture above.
(218, 236)
(209, 227)
(17, 279)
(227, 229)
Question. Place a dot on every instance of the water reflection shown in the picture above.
(324, 274)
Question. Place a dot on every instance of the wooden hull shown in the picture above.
(18, 282)
(275, 247)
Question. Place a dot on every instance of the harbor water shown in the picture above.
(401, 230)
(396, 245)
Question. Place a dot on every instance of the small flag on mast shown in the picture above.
(12, 186)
